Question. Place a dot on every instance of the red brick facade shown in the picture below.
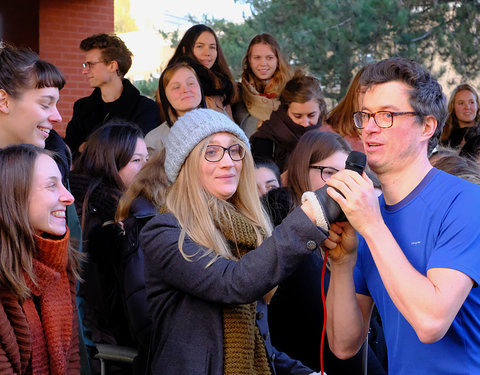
(62, 25)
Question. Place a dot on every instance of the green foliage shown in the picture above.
(332, 39)
(147, 87)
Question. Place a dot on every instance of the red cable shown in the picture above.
(324, 310)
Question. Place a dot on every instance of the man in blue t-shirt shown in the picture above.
(418, 257)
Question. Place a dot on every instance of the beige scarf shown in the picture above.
(258, 106)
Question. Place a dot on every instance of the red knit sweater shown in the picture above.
(40, 335)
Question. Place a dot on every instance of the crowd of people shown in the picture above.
(221, 230)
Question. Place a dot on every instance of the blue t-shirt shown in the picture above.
(437, 226)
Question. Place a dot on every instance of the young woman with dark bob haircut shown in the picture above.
(302, 109)
(38, 270)
(201, 49)
(265, 74)
(209, 267)
(29, 92)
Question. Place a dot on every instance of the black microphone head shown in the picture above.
(356, 161)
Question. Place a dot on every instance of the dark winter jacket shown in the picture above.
(187, 298)
(130, 271)
(91, 112)
(125, 264)
(277, 137)
(99, 289)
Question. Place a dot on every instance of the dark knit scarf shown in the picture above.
(243, 347)
(282, 130)
(50, 313)
(284, 135)
(213, 83)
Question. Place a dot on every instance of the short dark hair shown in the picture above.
(112, 48)
(269, 164)
(426, 95)
(22, 69)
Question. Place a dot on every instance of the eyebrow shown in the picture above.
(387, 107)
(50, 97)
(272, 180)
(302, 113)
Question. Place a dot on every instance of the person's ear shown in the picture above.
(429, 126)
(113, 66)
(4, 101)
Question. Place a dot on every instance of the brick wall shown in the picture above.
(63, 24)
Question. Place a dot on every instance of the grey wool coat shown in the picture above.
(186, 298)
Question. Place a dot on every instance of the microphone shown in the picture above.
(332, 212)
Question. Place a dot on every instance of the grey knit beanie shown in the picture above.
(189, 130)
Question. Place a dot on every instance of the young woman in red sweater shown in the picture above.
(38, 317)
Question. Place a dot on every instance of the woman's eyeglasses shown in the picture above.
(326, 172)
(215, 153)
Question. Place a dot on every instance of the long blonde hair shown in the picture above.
(197, 210)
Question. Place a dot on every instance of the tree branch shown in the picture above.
(341, 23)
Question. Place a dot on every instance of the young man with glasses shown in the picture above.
(418, 254)
(107, 60)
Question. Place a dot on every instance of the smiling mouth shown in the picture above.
(59, 214)
(44, 130)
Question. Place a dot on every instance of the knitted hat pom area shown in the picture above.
(189, 130)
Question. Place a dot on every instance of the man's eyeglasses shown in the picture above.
(384, 119)
(215, 153)
(88, 64)
(325, 172)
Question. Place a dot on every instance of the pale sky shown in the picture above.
(169, 15)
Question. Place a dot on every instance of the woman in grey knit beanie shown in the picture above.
(211, 260)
